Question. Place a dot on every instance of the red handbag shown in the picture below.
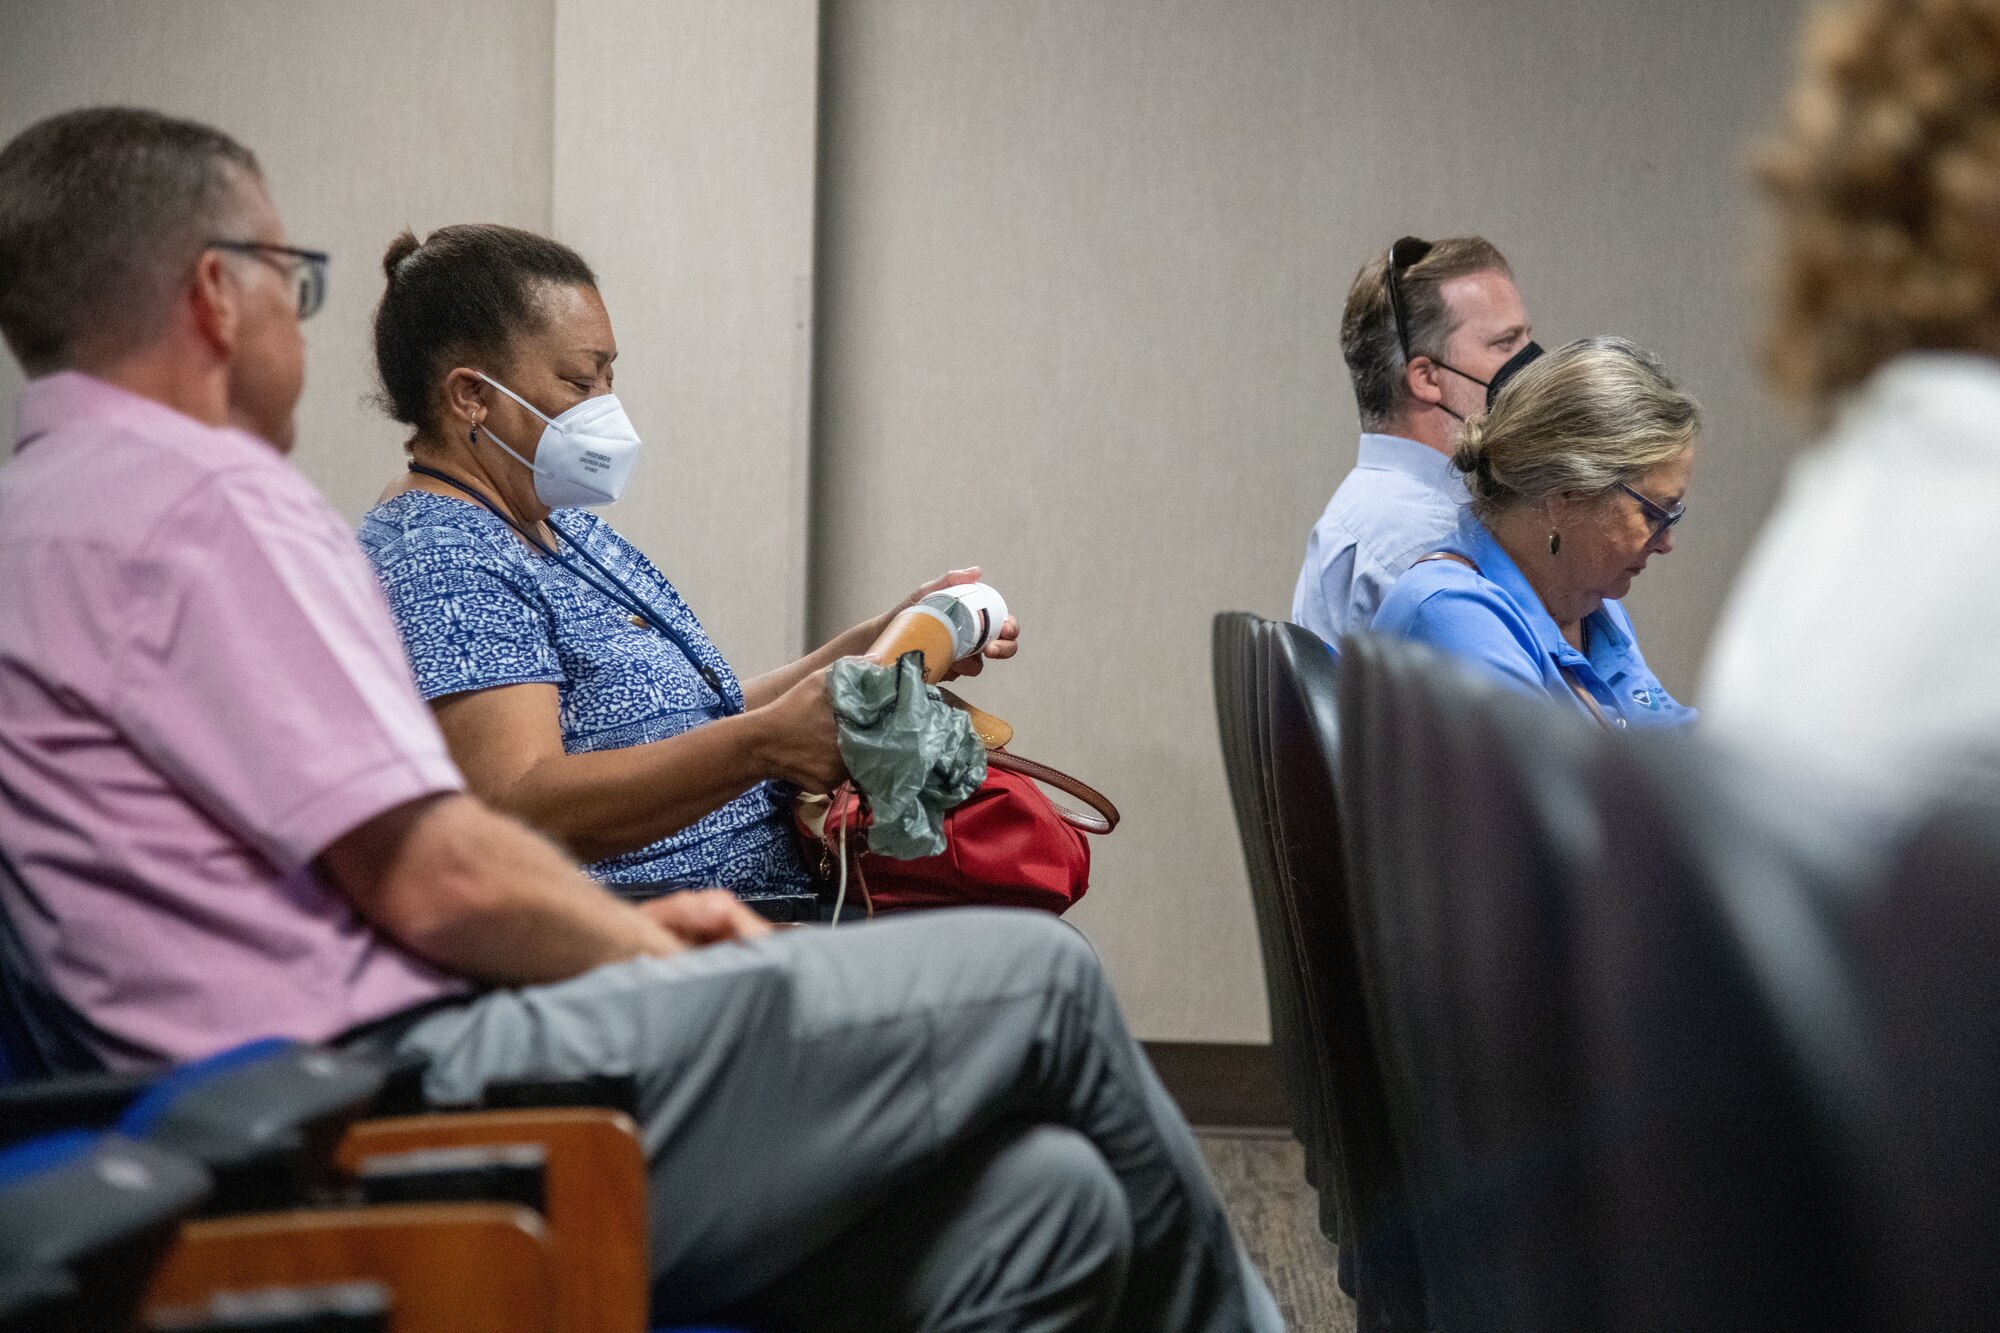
(1007, 845)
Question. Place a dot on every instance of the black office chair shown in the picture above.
(1927, 948)
(1240, 648)
(1458, 928)
(1307, 868)
(1360, 1174)
(1614, 985)
(1720, 1043)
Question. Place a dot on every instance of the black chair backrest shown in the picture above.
(1615, 1011)
(1720, 1043)
(1457, 925)
(1309, 873)
(1929, 945)
(1361, 1174)
(1241, 645)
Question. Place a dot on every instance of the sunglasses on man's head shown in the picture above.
(1403, 256)
(305, 270)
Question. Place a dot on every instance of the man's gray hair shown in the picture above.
(102, 215)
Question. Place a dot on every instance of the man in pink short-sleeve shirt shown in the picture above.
(201, 690)
(228, 813)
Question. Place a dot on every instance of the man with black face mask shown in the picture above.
(1430, 332)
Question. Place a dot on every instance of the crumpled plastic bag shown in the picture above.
(911, 754)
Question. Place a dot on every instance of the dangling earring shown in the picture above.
(1555, 541)
(472, 436)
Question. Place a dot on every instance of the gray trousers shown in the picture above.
(937, 1122)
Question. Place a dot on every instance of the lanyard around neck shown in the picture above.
(616, 592)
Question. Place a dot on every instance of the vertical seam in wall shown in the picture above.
(806, 432)
(813, 599)
(555, 110)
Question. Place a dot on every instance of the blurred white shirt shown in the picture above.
(1863, 638)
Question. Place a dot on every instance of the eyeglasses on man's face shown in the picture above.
(305, 270)
(1663, 517)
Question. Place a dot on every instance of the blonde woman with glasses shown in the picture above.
(1578, 476)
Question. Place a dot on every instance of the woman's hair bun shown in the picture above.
(1471, 449)
(399, 249)
(477, 290)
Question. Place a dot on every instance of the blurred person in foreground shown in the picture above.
(1429, 329)
(1863, 635)
(1578, 476)
(233, 816)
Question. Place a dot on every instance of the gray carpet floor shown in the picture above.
(1263, 1184)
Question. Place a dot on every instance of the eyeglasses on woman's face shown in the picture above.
(1663, 518)
(304, 270)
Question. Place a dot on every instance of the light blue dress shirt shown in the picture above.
(1492, 618)
(1402, 500)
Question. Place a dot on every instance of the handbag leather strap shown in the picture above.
(993, 732)
(1103, 821)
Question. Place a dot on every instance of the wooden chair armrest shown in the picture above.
(448, 1266)
(595, 1195)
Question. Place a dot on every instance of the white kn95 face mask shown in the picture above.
(584, 457)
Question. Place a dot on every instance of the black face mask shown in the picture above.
(1513, 366)
(1508, 370)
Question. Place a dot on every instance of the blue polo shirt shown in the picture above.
(1402, 499)
(1492, 618)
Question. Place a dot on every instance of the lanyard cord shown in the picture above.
(617, 592)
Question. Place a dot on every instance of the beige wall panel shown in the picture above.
(368, 115)
(1081, 271)
(684, 173)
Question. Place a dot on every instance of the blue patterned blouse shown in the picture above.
(478, 609)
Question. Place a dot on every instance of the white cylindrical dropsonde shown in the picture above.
(948, 626)
(975, 612)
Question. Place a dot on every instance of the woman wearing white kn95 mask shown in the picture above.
(585, 456)
(575, 687)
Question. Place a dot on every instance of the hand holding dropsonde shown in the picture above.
(1000, 645)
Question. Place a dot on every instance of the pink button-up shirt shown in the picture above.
(200, 689)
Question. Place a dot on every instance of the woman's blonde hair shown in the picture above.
(1582, 419)
(1885, 177)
